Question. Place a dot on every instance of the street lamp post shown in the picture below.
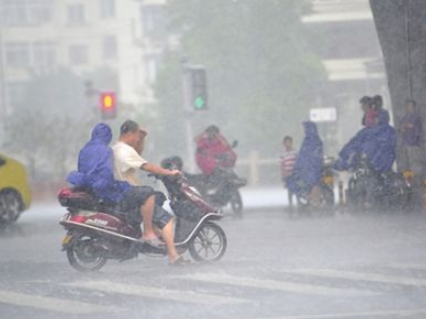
(408, 49)
(91, 92)
(2, 89)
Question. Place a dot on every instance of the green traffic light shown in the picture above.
(199, 102)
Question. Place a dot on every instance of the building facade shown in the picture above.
(352, 58)
(39, 36)
(129, 37)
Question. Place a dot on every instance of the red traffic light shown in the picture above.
(108, 105)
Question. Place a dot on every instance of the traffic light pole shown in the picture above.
(190, 143)
(187, 109)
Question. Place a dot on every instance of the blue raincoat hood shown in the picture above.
(307, 170)
(95, 167)
(102, 132)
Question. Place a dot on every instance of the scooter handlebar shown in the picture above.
(161, 177)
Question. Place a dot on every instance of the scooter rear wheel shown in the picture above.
(209, 244)
(84, 256)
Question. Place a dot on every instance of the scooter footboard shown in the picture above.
(71, 222)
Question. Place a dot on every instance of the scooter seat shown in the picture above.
(82, 199)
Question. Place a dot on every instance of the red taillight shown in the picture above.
(78, 219)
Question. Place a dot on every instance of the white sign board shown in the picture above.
(323, 115)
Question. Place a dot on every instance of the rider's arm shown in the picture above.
(158, 170)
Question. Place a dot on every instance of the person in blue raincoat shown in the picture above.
(95, 167)
(307, 170)
(381, 148)
(377, 144)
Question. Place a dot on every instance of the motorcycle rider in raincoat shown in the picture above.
(213, 151)
(95, 167)
(377, 144)
(307, 170)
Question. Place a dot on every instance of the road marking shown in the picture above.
(53, 304)
(342, 274)
(158, 293)
(372, 314)
(280, 285)
(407, 266)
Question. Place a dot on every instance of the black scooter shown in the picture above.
(219, 189)
(389, 190)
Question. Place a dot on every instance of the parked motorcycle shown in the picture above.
(97, 233)
(324, 204)
(389, 190)
(219, 189)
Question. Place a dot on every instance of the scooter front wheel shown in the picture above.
(84, 255)
(209, 244)
(237, 204)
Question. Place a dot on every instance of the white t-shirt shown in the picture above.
(126, 163)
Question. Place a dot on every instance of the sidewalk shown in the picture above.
(253, 198)
(264, 197)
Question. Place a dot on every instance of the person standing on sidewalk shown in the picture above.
(288, 160)
(411, 134)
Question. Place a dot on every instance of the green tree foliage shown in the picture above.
(262, 76)
(168, 133)
(54, 120)
(58, 93)
(47, 144)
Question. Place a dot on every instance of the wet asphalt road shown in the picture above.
(275, 267)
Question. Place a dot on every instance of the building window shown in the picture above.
(17, 54)
(25, 12)
(151, 68)
(107, 8)
(44, 55)
(76, 14)
(153, 21)
(15, 94)
(78, 54)
(41, 11)
(13, 12)
(109, 48)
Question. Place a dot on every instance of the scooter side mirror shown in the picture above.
(234, 144)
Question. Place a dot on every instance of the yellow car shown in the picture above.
(15, 193)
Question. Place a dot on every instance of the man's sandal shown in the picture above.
(180, 261)
(153, 242)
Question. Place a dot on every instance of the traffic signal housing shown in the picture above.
(108, 105)
(198, 81)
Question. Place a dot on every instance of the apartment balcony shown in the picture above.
(329, 11)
